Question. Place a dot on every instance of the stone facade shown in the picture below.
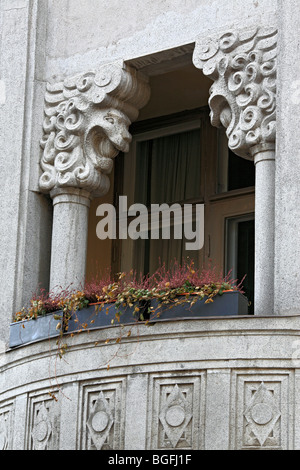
(72, 80)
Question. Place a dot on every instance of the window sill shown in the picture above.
(232, 194)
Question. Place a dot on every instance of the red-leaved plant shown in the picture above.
(165, 284)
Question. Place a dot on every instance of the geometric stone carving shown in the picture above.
(86, 125)
(42, 428)
(44, 423)
(6, 427)
(102, 416)
(4, 430)
(100, 421)
(175, 412)
(262, 414)
(243, 66)
(175, 416)
(261, 405)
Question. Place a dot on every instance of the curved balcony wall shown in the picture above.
(210, 383)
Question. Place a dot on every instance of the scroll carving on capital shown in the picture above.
(243, 66)
(86, 124)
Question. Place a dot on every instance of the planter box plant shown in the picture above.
(43, 318)
(174, 293)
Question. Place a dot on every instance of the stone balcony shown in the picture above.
(211, 383)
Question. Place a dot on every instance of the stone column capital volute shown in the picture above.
(86, 123)
(242, 65)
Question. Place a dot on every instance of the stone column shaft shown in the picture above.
(264, 231)
(69, 238)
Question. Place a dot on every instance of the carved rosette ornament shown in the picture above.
(243, 66)
(86, 125)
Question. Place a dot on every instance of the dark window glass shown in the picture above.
(245, 259)
(241, 172)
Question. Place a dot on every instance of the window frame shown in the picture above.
(123, 250)
(218, 205)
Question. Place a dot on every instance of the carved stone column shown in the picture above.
(86, 125)
(243, 66)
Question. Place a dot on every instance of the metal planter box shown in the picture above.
(29, 331)
(231, 303)
(92, 317)
(100, 316)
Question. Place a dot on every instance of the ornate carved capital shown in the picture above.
(243, 66)
(86, 125)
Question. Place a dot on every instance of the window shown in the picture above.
(164, 166)
(240, 252)
(233, 172)
(183, 159)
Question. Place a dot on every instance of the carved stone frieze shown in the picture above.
(243, 66)
(86, 125)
